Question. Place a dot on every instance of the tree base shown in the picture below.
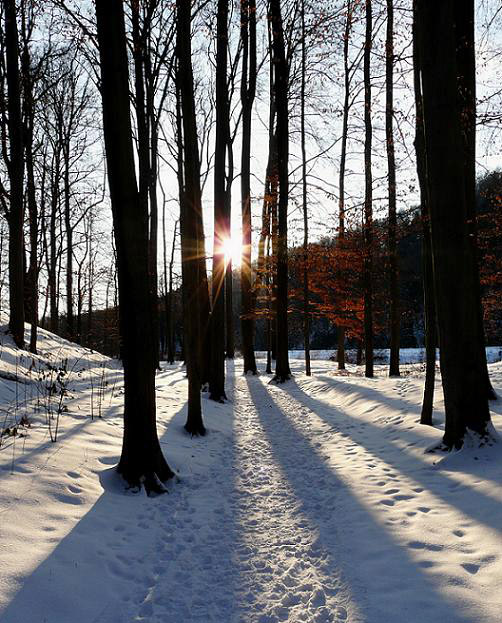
(195, 429)
(217, 397)
(152, 479)
(472, 440)
(281, 378)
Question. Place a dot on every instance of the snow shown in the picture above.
(312, 501)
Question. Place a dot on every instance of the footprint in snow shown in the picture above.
(470, 567)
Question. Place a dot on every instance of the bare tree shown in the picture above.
(142, 461)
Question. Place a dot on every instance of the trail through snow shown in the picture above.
(308, 502)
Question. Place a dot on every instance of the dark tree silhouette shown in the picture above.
(281, 81)
(368, 198)
(195, 291)
(221, 232)
(248, 92)
(449, 172)
(15, 216)
(142, 461)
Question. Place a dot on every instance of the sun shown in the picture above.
(233, 251)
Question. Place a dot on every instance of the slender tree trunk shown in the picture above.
(70, 324)
(170, 306)
(306, 302)
(427, 265)
(16, 176)
(368, 199)
(281, 81)
(217, 379)
(229, 285)
(32, 274)
(456, 287)
(269, 311)
(340, 354)
(53, 255)
(142, 461)
(248, 93)
(194, 281)
(391, 165)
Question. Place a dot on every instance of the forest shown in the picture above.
(250, 311)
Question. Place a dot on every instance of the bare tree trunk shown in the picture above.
(428, 275)
(456, 287)
(466, 77)
(340, 354)
(194, 281)
(142, 461)
(29, 114)
(306, 302)
(248, 93)
(217, 379)
(368, 199)
(391, 164)
(281, 72)
(170, 306)
(53, 254)
(229, 284)
(70, 325)
(16, 176)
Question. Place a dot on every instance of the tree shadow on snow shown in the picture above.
(385, 582)
(130, 557)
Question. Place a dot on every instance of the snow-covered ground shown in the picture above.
(313, 501)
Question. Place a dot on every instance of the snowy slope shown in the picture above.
(313, 501)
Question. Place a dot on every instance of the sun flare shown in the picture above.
(233, 250)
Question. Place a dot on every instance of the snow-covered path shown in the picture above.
(312, 501)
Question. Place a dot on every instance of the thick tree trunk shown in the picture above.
(466, 76)
(16, 176)
(456, 287)
(281, 81)
(391, 165)
(142, 461)
(368, 199)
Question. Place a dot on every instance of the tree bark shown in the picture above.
(427, 264)
(217, 379)
(142, 461)
(281, 75)
(29, 115)
(340, 353)
(456, 287)
(306, 302)
(368, 199)
(193, 273)
(391, 165)
(466, 77)
(248, 93)
(16, 177)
